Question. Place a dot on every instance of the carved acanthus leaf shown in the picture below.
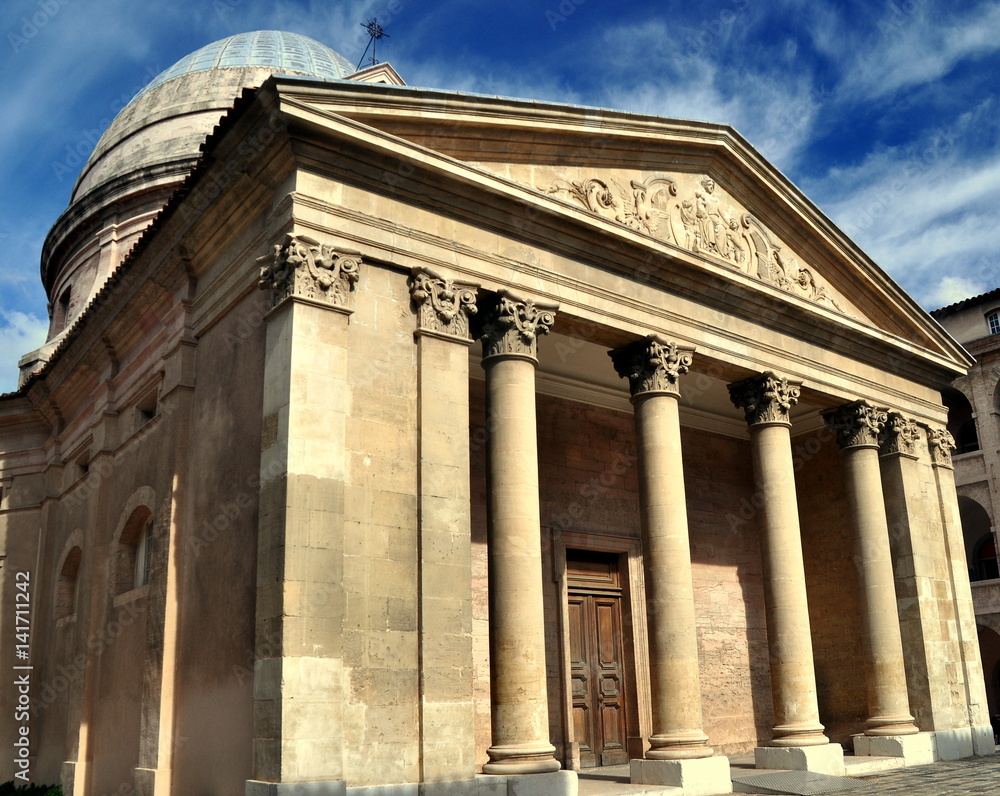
(899, 436)
(512, 326)
(941, 443)
(652, 364)
(305, 268)
(443, 306)
(857, 424)
(766, 398)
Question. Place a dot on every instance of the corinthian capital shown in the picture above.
(857, 424)
(766, 398)
(652, 365)
(512, 326)
(899, 437)
(443, 306)
(941, 443)
(306, 268)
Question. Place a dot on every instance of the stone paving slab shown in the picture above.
(975, 775)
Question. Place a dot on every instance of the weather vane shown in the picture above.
(377, 34)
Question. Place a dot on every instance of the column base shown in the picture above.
(891, 726)
(915, 750)
(528, 758)
(705, 776)
(826, 759)
(557, 783)
(328, 788)
(982, 741)
(679, 746)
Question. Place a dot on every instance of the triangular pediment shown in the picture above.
(691, 187)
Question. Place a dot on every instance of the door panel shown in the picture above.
(597, 669)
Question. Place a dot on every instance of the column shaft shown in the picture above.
(858, 426)
(520, 718)
(673, 639)
(793, 678)
(653, 367)
(766, 400)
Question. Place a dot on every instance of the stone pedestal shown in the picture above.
(706, 776)
(653, 367)
(556, 783)
(256, 788)
(827, 759)
(915, 750)
(767, 399)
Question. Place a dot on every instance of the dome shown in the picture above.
(170, 117)
(152, 145)
(283, 52)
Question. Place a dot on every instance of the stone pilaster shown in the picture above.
(653, 367)
(941, 445)
(766, 399)
(858, 427)
(520, 718)
(298, 683)
(447, 713)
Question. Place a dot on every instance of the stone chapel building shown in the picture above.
(452, 444)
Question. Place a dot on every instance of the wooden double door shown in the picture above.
(597, 670)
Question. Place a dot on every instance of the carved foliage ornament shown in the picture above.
(306, 268)
(942, 443)
(443, 306)
(858, 424)
(513, 325)
(698, 222)
(652, 365)
(766, 398)
(899, 436)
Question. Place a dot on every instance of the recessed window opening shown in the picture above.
(993, 319)
(133, 553)
(146, 409)
(66, 584)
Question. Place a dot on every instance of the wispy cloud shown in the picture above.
(19, 333)
(916, 43)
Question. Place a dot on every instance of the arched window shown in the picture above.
(66, 584)
(132, 553)
(961, 423)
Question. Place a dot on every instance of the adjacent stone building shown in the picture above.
(448, 443)
(973, 403)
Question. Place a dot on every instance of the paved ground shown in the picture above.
(957, 778)
(977, 775)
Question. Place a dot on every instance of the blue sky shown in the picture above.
(885, 113)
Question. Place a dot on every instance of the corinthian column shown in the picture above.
(766, 400)
(653, 367)
(858, 426)
(517, 625)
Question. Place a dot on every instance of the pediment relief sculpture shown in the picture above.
(698, 219)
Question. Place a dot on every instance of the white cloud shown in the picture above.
(951, 289)
(19, 333)
(916, 46)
